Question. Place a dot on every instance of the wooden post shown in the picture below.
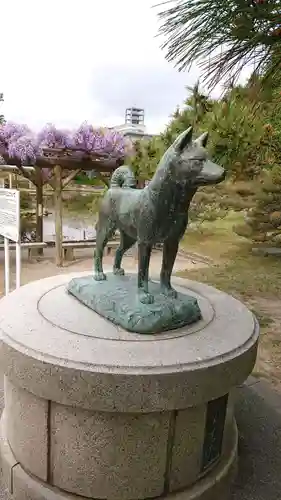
(39, 206)
(58, 214)
(39, 212)
(57, 184)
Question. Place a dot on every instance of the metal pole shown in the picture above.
(18, 265)
(7, 266)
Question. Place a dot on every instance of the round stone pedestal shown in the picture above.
(92, 411)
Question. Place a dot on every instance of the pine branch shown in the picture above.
(221, 37)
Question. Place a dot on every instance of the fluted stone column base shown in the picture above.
(95, 412)
(23, 486)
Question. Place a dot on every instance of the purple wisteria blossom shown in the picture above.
(85, 138)
(98, 140)
(19, 142)
(9, 132)
(52, 137)
(24, 148)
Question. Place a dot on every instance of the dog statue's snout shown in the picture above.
(210, 174)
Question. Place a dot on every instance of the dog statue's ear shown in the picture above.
(183, 140)
(203, 139)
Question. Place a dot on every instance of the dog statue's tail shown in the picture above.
(123, 177)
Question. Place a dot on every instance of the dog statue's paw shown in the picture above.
(169, 292)
(99, 276)
(145, 297)
(118, 271)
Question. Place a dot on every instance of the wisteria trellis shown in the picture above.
(19, 142)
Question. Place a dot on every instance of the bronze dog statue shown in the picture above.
(156, 214)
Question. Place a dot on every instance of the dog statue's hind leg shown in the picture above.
(126, 242)
(144, 251)
(170, 250)
(105, 230)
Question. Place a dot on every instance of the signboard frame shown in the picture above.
(13, 235)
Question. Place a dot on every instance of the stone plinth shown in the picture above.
(93, 411)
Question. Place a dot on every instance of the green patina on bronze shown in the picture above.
(156, 214)
(116, 300)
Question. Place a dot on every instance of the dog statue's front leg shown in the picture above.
(170, 250)
(144, 251)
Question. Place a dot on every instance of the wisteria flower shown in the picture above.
(24, 149)
(51, 137)
(11, 130)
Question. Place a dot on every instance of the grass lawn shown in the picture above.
(254, 280)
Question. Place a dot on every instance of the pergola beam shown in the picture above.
(13, 169)
(67, 163)
(70, 177)
(58, 161)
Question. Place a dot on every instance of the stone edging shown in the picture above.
(196, 257)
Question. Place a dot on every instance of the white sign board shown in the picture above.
(10, 214)
(10, 229)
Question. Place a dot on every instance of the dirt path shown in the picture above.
(268, 363)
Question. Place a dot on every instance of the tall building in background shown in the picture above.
(134, 126)
(134, 116)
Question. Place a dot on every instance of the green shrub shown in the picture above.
(263, 221)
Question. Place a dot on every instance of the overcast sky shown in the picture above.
(66, 61)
